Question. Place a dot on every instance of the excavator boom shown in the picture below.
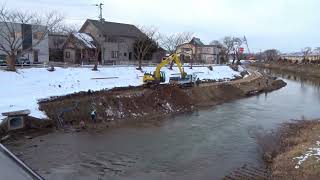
(158, 76)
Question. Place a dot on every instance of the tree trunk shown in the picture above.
(11, 62)
(234, 58)
(139, 64)
(238, 58)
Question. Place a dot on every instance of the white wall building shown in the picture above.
(26, 38)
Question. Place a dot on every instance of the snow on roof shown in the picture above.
(86, 39)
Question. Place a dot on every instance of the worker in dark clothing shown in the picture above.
(93, 116)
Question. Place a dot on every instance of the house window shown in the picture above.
(38, 35)
(15, 34)
(124, 54)
(112, 39)
(2, 57)
(67, 54)
(115, 54)
(130, 55)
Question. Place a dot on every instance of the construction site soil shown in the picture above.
(144, 103)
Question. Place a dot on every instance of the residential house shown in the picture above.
(56, 42)
(27, 38)
(197, 52)
(80, 48)
(299, 56)
(116, 41)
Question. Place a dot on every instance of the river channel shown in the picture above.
(206, 144)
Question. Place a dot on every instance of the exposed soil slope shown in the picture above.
(145, 103)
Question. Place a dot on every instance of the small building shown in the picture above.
(81, 48)
(197, 52)
(116, 41)
(299, 56)
(34, 43)
(56, 42)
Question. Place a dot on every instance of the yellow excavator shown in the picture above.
(158, 76)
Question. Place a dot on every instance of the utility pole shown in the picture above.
(246, 42)
(100, 8)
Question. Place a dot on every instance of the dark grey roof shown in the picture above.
(116, 29)
(196, 41)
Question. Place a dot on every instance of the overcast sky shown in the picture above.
(287, 25)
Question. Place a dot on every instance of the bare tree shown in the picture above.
(13, 34)
(146, 44)
(317, 51)
(216, 43)
(236, 48)
(90, 48)
(228, 44)
(232, 46)
(306, 52)
(222, 51)
(58, 37)
(173, 41)
(271, 54)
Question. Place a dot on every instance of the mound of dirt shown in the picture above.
(118, 105)
(146, 103)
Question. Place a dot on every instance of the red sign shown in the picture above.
(241, 49)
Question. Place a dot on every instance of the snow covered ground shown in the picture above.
(23, 89)
(311, 153)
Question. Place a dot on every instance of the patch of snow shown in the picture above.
(85, 38)
(22, 90)
(169, 107)
(241, 68)
(312, 152)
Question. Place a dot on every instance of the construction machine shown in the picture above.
(158, 76)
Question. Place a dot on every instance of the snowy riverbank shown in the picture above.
(22, 89)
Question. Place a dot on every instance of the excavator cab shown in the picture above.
(149, 78)
(162, 76)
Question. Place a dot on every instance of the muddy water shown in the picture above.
(207, 144)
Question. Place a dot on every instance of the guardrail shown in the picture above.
(19, 163)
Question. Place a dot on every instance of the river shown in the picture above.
(206, 144)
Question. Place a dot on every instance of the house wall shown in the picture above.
(17, 28)
(158, 56)
(71, 58)
(200, 54)
(300, 58)
(123, 47)
(56, 47)
(42, 47)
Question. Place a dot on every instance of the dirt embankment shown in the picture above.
(309, 70)
(293, 150)
(148, 103)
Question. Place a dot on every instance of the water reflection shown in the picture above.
(304, 80)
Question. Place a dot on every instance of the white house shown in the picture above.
(26, 38)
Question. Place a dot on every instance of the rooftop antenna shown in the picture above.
(100, 8)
